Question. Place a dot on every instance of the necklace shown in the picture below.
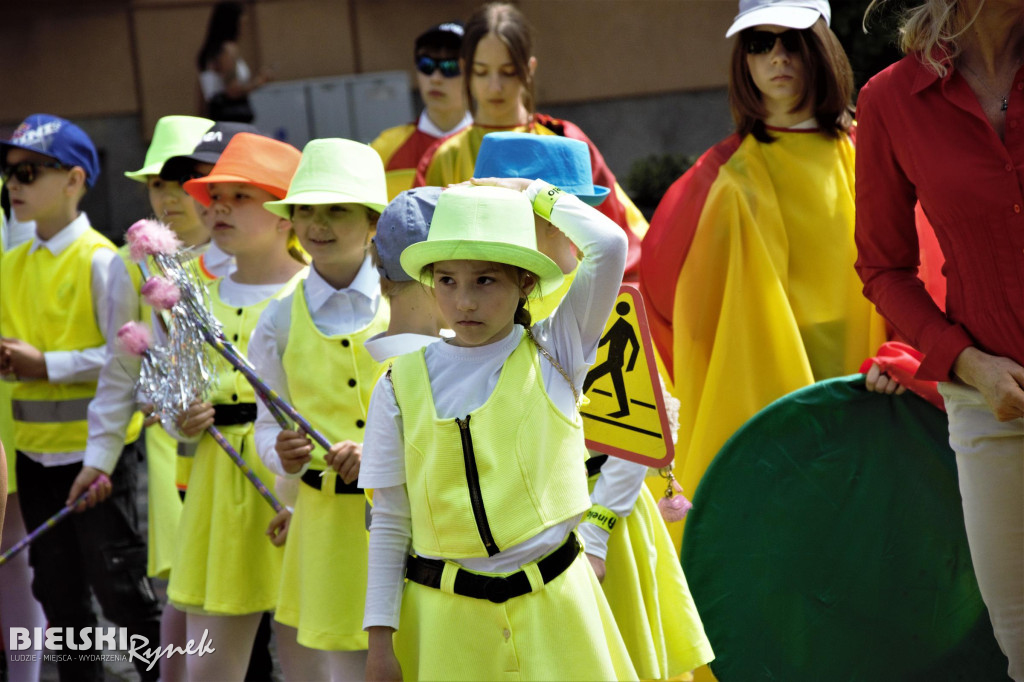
(1005, 99)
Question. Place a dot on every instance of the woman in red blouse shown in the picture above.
(945, 126)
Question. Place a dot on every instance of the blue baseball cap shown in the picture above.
(405, 221)
(57, 138)
(561, 161)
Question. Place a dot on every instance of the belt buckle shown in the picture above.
(497, 590)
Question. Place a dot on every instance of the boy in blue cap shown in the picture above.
(53, 307)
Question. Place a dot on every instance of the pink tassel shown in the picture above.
(674, 506)
(160, 293)
(134, 338)
(150, 237)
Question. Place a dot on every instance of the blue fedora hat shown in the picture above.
(563, 162)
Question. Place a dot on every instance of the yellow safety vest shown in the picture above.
(330, 378)
(47, 301)
(238, 324)
(511, 468)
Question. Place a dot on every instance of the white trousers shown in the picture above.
(990, 464)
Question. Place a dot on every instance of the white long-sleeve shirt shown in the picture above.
(334, 311)
(462, 379)
(112, 408)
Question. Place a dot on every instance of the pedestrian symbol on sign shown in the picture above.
(624, 414)
(617, 338)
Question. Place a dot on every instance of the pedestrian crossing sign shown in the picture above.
(625, 416)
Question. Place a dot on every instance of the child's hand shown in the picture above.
(196, 419)
(21, 359)
(344, 457)
(149, 412)
(278, 528)
(598, 566)
(381, 663)
(517, 184)
(96, 482)
(294, 450)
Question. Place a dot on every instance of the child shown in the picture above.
(225, 574)
(475, 452)
(497, 56)
(54, 293)
(440, 82)
(635, 560)
(17, 605)
(311, 340)
(415, 320)
(110, 415)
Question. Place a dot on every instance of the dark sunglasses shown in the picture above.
(26, 172)
(428, 65)
(763, 42)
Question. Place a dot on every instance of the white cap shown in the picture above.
(798, 14)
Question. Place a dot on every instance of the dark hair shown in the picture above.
(517, 274)
(223, 28)
(829, 81)
(509, 25)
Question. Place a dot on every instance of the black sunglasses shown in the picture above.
(763, 42)
(26, 172)
(428, 65)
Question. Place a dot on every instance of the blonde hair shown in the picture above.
(931, 30)
(389, 288)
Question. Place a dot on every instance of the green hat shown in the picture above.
(172, 136)
(335, 171)
(483, 223)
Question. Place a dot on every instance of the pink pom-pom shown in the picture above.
(134, 338)
(160, 293)
(150, 237)
(674, 508)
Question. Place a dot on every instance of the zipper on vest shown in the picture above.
(476, 497)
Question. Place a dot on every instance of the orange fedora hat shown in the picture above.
(254, 160)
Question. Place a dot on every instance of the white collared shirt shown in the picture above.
(427, 126)
(383, 347)
(334, 311)
(72, 366)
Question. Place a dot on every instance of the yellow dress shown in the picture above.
(323, 579)
(644, 581)
(225, 564)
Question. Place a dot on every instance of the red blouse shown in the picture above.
(922, 137)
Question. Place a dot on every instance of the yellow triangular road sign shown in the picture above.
(625, 416)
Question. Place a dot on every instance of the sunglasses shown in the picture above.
(763, 42)
(26, 172)
(428, 65)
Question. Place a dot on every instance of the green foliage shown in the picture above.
(650, 176)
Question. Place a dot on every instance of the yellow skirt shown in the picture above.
(648, 594)
(225, 563)
(323, 580)
(563, 632)
(163, 500)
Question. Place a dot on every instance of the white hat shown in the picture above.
(798, 14)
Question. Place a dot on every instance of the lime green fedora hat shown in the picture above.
(335, 171)
(483, 223)
(172, 136)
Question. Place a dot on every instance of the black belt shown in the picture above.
(496, 589)
(594, 464)
(231, 414)
(313, 479)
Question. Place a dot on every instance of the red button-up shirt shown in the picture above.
(922, 137)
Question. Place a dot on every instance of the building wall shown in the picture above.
(653, 69)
